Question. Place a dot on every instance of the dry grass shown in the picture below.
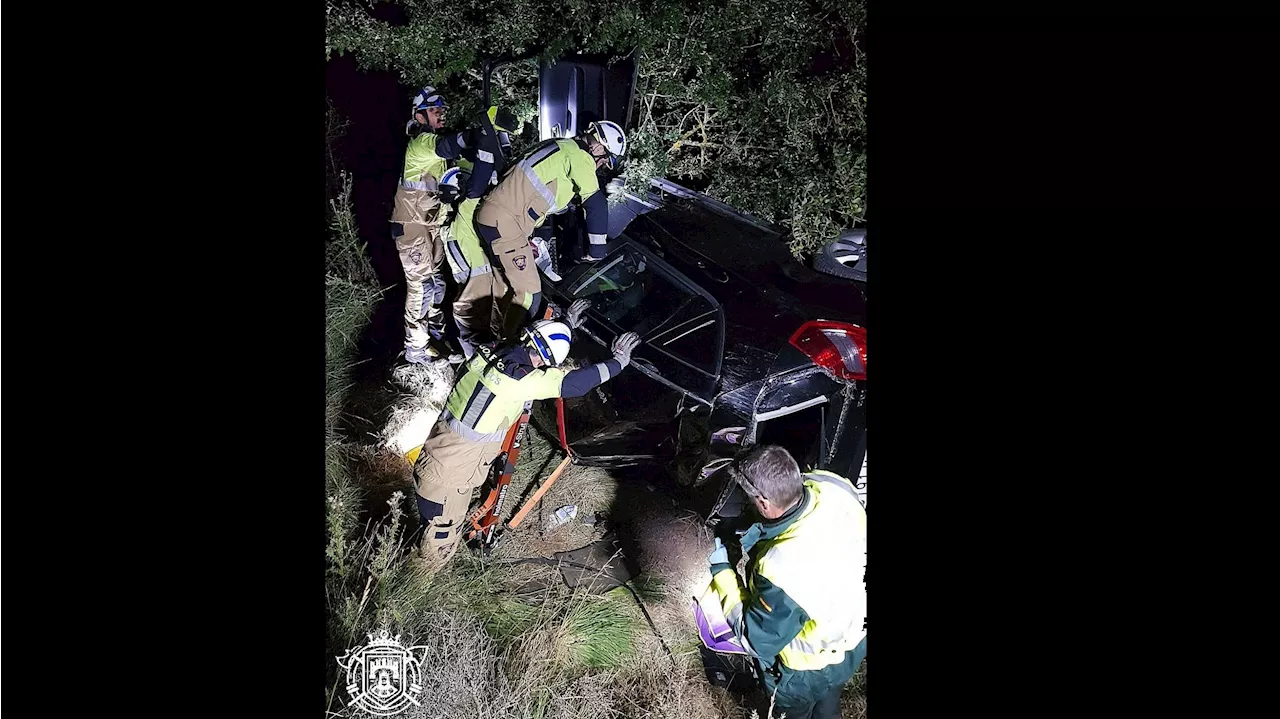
(422, 391)
(554, 652)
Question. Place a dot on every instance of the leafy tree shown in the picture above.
(759, 103)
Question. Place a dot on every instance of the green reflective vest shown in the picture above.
(421, 159)
(819, 561)
(416, 201)
(463, 251)
(486, 401)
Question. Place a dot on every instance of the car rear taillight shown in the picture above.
(837, 346)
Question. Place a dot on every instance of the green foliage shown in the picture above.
(350, 296)
(600, 631)
(762, 102)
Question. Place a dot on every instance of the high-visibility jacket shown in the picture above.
(463, 251)
(805, 602)
(557, 170)
(425, 162)
(495, 385)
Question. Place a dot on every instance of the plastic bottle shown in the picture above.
(564, 514)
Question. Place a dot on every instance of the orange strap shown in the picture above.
(537, 496)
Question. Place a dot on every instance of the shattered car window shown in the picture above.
(638, 296)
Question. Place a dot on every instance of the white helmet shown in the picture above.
(451, 178)
(612, 137)
(550, 339)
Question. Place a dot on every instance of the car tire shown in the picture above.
(837, 257)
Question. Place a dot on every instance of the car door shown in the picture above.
(675, 367)
(576, 90)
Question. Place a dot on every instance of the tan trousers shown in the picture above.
(446, 471)
(473, 310)
(496, 225)
(422, 256)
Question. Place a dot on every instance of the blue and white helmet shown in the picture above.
(428, 97)
(452, 177)
(551, 339)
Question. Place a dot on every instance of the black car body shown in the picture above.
(722, 309)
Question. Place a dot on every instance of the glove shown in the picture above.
(720, 555)
(505, 119)
(574, 316)
(623, 345)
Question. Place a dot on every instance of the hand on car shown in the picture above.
(574, 316)
(623, 345)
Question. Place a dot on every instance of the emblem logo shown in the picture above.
(383, 677)
(416, 256)
(519, 261)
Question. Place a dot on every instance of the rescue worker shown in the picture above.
(419, 210)
(492, 391)
(415, 227)
(802, 612)
(469, 264)
(541, 183)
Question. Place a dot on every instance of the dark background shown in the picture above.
(1070, 227)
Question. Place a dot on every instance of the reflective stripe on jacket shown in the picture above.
(416, 200)
(545, 181)
(495, 385)
(465, 254)
(805, 600)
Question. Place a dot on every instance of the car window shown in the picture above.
(638, 295)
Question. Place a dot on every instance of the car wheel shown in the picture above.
(844, 257)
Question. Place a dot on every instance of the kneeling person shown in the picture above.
(494, 388)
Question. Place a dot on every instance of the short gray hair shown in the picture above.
(769, 472)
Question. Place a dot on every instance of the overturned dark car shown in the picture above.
(741, 344)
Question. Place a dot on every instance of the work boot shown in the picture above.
(443, 348)
(433, 352)
(454, 355)
(420, 355)
(438, 552)
(435, 556)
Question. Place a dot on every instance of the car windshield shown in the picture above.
(636, 295)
